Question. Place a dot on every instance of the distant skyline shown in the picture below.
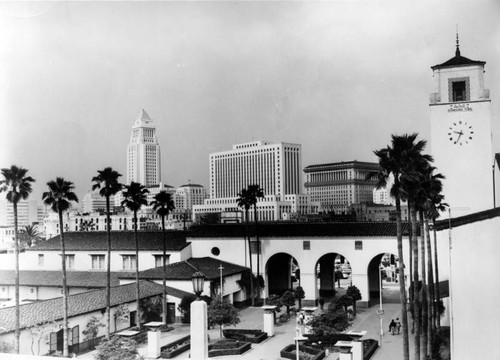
(337, 77)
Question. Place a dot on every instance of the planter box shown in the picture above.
(169, 354)
(314, 354)
(228, 347)
(369, 348)
(253, 336)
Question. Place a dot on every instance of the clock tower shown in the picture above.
(461, 139)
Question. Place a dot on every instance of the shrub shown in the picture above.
(117, 348)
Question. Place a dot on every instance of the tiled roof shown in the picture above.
(120, 240)
(78, 304)
(457, 60)
(184, 269)
(89, 279)
(298, 230)
(467, 219)
(191, 185)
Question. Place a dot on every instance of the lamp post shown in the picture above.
(381, 310)
(199, 339)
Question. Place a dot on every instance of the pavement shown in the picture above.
(252, 318)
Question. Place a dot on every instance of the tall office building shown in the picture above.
(143, 152)
(275, 167)
(339, 185)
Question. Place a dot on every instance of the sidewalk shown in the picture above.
(252, 318)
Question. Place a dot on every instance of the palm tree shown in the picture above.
(107, 182)
(244, 202)
(30, 235)
(397, 160)
(135, 196)
(17, 186)
(163, 204)
(255, 193)
(58, 198)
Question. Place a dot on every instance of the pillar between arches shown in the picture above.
(361, 282)
(308, 283)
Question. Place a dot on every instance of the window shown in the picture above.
(98, 262)
(358, 245)
(459, 91)
(159, 260)
(40, 259)
(70, 262)
(129, 262)
(306, 245)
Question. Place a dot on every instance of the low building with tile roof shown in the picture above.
(81, 307)
(179, 276)
(86, 251)
(43, 285)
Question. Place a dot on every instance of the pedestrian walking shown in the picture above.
(398, 325)
(392, 327)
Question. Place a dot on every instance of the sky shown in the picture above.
(337, 77)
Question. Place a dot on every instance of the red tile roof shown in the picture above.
(120, 240)
(78, 304)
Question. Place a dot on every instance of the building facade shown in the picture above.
(339, 185)
(143, 152)
(275, 167)
(92, 201)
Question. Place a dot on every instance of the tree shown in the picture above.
(330, 322)
(288, 300)
(299, 295)
(107, 182)
(59, 199)
(29, 235)
(396, 161)
(151, 308)
(118, 348)
(255, 192)
(163, 204)
(135, 196)
(17, 186)
(354, 293)
(185, 307)
(244, 202)
(222, 313)
(92, 329)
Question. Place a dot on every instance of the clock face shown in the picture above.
(460, 133)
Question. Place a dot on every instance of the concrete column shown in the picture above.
(357, 350)
(154, 344)
(361, 282)
(199, 326)
(345, 356)
(308, 283)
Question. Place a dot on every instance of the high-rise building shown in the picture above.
(276, 168)
(29, 212)
(92, 201)
(143, 152)
(188, 195)
(339, 185)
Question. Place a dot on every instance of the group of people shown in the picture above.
(395, 326)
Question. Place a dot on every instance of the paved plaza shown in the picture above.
(252, 318)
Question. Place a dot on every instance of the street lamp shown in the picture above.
(199, 325)
(381, 310)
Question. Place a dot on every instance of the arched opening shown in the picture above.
(283, 273)
(333, 272)
(383, 266)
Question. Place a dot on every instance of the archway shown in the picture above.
(283, 273)
(333, 272)
(383, 265)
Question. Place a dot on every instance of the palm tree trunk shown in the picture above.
(108, 272)
(16, 250)
(164, 317)
(252, 299)
(137, 291)
(65, 288)
(424, 288)
(258, 251)
(436, 282)
(412, 287)
(430, 292)
(402, 287)
(416, 302)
